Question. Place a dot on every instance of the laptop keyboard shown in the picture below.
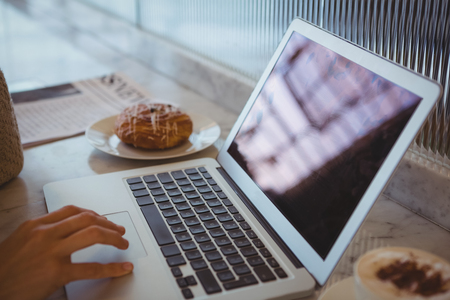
(195, 223)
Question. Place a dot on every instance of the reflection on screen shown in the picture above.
(316, 136)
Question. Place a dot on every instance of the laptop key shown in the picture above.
(211, 224)
(170, 250)
(272, 262)
(235, 259)
(178, 174)
(219, 210)
(191, 280)
(217, 232)
(164, 177)
(162, 198)
(140, 193)
(149, 178)
(134, 180)
(178, 199)
(233, 210)
(222, 195)
(137, 186)
(195, 176)
(176, 272)
(225, 218)
(217, 188)
(264, 273)
(146, 200)
(182, 282)
(170, 186)
(206, 216)
(165, 205)
(169, 213)
(228, 250)
(174, 193)
(199, 264)
(178, 228)
(207, 176)
(197, 229)
(173, 220)
(201, 209)
(196, 202)
(186, 246)
(238, 218)
(258, 243)
(175, 261)
(243, 281)
(219, 266)
(227, 202)
(249, 251)
(187, 214)
(202, 169)
(242, 242)
(203, 189)
(184, 236)
(251, 234)
(187, 188)
(157, 225)
(230, 225)
(214, 203)
(280, 273)
(198, 183)
(211, 181)
(255, 261)
(235, 234)
(242, 269)
(208, 196)
(202, 238)
(264, 252)
(225, 276)
(192, 221)
(212, 256)
(208, 281)
(183, 206)
(157, 192)
(187, 293)
(154, 185)
(191, 255)
(222, 241)
(192, 195)
(183, 182)
(191, 171)
(208, 246)
(245, 226)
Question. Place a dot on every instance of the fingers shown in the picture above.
(83, 220)
(92, 235)
(63, 213)
(96, 270)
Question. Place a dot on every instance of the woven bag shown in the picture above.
(11, 155)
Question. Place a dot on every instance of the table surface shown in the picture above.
(57, 58)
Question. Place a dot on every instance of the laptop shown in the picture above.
(313, 148)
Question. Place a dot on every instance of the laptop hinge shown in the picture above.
(294, 260)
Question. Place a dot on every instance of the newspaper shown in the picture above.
(66, 110)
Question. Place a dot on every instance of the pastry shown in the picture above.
(153, 126)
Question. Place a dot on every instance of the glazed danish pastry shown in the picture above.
(153, 126)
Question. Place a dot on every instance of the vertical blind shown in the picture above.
(242, 35)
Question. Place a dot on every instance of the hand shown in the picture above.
(35, 259)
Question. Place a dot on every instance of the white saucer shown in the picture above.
(342, 290)
(101, 136)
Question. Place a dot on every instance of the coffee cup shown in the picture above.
(401, 273)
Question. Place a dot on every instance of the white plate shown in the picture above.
(343, 290)
(101, 136)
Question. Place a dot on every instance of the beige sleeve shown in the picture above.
(11, 155)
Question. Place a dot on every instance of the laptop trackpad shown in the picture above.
(105, 253)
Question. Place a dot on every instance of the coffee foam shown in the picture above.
(373, 271)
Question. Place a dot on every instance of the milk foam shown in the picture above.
(367, 273)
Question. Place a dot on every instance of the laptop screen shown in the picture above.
(316, 136)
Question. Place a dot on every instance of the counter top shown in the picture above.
(79, 55)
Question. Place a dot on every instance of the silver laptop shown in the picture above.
(318, 140)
